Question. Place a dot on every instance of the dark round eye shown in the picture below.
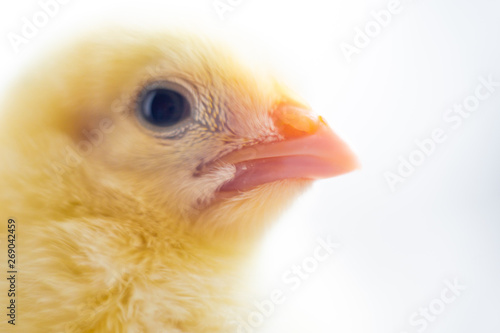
(164, 107)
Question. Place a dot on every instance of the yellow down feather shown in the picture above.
(114, 231)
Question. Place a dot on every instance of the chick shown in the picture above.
(140, 170)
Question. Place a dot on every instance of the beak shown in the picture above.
(310, 150)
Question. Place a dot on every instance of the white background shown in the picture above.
(398, 247)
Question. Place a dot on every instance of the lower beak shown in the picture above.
(317, 155)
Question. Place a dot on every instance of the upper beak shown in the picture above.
(311, 150)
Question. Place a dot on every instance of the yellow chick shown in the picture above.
(138, 172)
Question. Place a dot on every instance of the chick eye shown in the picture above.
(164, 107)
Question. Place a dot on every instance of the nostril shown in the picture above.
(292, 121)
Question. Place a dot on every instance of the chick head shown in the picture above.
(183, 124)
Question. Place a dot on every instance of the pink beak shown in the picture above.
(311, 150)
